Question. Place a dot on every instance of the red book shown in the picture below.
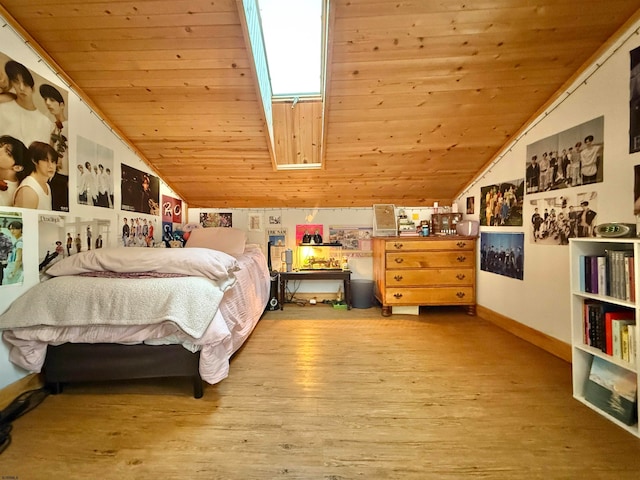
(608, 317)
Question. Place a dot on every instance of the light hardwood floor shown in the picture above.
(322, 394)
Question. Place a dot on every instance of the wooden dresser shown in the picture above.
(437, 270)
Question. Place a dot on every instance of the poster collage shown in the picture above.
(35, 168)
(554, 165)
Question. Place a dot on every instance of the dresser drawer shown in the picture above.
(434, 259)
(427, 278)
(462, 295)
(452, 244)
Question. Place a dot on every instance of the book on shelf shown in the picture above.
(632, 344)
(611, 274)
(612, 389)
(618, 327)
(602, 322)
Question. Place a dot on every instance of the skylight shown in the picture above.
(292, 31)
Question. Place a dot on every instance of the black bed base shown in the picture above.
(89, 362)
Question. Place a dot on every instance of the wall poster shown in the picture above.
(502, 253)
(33, 124)
(140, 191)
(94, 165)
(216, 219)
(355, 240)
(11, 267)
(501, 204)
(570, 158)
(557, 219)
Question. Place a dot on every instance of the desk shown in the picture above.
(344, 275)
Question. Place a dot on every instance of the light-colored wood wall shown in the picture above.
(421, 95)
(297, 128)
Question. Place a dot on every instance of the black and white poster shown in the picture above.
(556, 219)
(570, 158)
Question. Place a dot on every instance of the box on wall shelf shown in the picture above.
(325, 256)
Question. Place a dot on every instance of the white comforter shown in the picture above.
(216, 332)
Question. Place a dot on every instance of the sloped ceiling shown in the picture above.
(421, 94)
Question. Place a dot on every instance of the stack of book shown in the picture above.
(610, 329)
(611, 274)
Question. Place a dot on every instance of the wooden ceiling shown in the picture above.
(421, 94)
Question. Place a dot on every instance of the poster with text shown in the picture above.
(61, 236)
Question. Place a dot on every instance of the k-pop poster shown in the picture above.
(140, 191)
(11, 241)
(216, 219)
(501, 204)
(61, 236)
(34, 162)
(138, 231)
(570, 158)
(557, 219)
(94, 166)
(502, 253)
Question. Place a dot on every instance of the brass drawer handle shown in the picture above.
(460, 294)
(399, 260)
(460, 276)
(461, 244)
(461, 258)
(397, 278)
(398, 245)
(397, 295)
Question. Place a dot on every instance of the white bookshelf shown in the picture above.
(582, 354)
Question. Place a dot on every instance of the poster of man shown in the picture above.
(570, 158)
(555, 220)
(501, 204)
(11, 268)
(61, 236)
(137, 231)
(502, 253)
(140, 191)
(94, 167)
(34, 163)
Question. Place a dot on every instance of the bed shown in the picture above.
(119, 313)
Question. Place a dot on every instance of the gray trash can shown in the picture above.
(361, 293)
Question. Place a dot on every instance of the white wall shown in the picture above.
(83, 122)
(541, 301)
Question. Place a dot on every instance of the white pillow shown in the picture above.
(225, 239)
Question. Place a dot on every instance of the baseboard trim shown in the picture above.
(11, 391)
(552, 345)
